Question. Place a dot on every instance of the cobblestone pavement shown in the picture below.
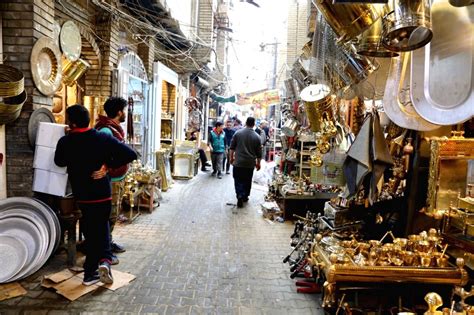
(193, 255)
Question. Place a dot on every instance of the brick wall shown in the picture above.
(24, 21)
(108, 30)
(205, 30)
(146, 52)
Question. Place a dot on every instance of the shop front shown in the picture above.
(375, 168)
(133, 86)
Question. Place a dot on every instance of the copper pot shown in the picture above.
(348, 20)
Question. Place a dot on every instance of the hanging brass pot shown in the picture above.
(370, 43)
(349, 20)
(73, 70)
(318, 101)
(408, 26)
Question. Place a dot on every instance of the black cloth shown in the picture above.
(85, 152)
(242, 181)
(95, 219)
(247, 146)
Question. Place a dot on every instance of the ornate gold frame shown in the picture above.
(455, 148)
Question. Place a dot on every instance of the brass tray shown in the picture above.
(70, 39)
(46, 66)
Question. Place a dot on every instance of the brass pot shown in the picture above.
(73, 70)
(349, 20)
(408, 26)
(370, 43)
(318, 100)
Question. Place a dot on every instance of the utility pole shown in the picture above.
(275, 60)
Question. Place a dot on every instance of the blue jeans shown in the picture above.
(95, 220)
(242, 181)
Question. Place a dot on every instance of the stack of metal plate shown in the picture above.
(29, 234)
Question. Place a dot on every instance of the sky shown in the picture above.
(252, 26)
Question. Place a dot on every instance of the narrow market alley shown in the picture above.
(193, 255)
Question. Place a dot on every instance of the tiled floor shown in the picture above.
(193, 255)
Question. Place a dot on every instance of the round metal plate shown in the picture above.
(46, 66)
(26, 231)
(42, 229)
(38, 208)
(70, 39)
(39, 115)
(54, 216)
(13, 257)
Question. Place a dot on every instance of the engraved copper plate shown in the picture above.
(70, 39)
(45, 66)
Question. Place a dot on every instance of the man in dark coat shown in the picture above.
(245, 155)
(84, 151)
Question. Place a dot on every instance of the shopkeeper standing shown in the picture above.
(84, 151)
(114, 107)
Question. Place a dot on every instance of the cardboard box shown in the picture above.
(48, 134)
(44, 159)
(50, 182)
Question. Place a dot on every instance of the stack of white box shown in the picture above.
(48, 178)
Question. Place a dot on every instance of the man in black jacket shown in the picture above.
(84, 151)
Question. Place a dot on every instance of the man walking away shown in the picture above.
(245, 155)
(115, 109)
(84, 151)
(217, 146)
(229, 133)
